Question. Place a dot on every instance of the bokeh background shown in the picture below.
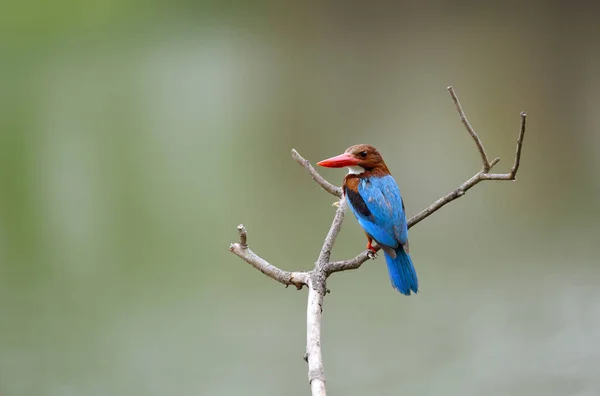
(135, 136)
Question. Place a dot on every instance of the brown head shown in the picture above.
(359, 159)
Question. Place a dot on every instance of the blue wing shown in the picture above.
(386, 222)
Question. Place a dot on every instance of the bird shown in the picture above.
(374, 198)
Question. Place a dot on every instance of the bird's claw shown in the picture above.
(336, 204)
(372, 251)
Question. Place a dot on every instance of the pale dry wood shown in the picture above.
(325, 185)
(242, 250)
(317, 289)
(334, 230)
(316, 279)
(313, 356)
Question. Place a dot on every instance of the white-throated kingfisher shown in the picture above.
(374, 198)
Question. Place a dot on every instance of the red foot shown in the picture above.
(370, 247)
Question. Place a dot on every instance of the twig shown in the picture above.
(325, 185)
(346, 265)
(484, 159)
(334, 230)
(242, 250)
(515, 168)
(316, 279)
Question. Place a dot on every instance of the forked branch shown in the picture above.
(316, 279)
(483, 174)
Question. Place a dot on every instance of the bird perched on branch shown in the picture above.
(374, 198)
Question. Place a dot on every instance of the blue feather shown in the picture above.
(382, 196)
(385, 222)
(402, 272)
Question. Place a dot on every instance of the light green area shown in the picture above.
(135, 136)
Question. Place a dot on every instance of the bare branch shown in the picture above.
(325, 185)
(316, 292)
(515, 168)
(483, 174)
(243, 235)
(486, 163)
(494, 162)
(241, 250)
(354, 263)
(314, 358)
(334, 230)
(446, 199)
(317, 278)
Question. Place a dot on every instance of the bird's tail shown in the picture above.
(402, 272)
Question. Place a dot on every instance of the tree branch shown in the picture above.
(483, 174)
(316, 279)
(515, 168)
(316, 291)
(313, 356)
(484, 159)
(325, 185)
(346, 265)
(334, 230)
(480, 176)
(242, 250)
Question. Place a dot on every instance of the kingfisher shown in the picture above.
(374, 198)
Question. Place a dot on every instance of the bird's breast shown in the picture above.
(351, 182)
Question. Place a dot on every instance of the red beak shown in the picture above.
(340, 161)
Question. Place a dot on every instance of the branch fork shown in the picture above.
(316, 279)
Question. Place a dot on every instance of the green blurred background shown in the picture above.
(135, 136)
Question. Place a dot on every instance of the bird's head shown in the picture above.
(357, 159)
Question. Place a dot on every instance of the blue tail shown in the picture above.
(402, 272)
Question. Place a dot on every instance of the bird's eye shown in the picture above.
(363, 154)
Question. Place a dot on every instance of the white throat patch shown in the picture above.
(355, 170)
